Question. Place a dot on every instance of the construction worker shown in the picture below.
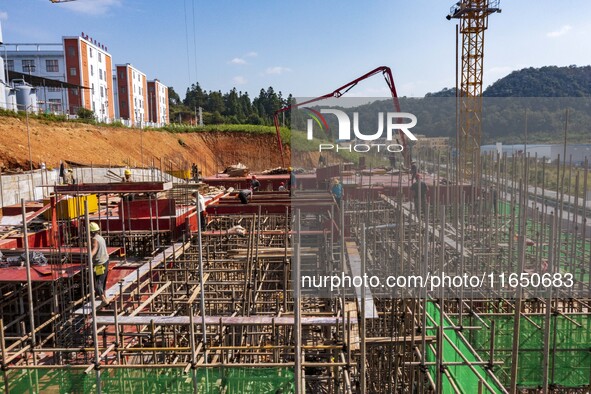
(292, 186)
(336, 190)
(282, 187)
(414, 171)
(254, 184)
(419, 191)
(195, 172)
(126, 175)
(392, 159)
(244, 195)
(69, 177)
(100, 261)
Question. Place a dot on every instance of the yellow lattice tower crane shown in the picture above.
(473, 21)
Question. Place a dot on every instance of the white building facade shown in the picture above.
(89, 65)
(43, 60)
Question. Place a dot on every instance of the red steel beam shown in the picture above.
(123, 187)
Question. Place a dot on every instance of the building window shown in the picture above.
(100, 57)
(52, 66)
(102, 94)
(73, 71)
(90, 52)
(123, 90)
(122, 75)
(28, 66)
(10, 65)
(55, 105)
(71, 51)
(53, 89)
(100, 74)
(91, 70)
(74, 91)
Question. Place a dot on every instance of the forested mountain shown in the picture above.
(542, 100)
(550, 81)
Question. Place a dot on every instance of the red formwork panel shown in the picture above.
(46, 273)
(38, 239)
(8, 243)
(15, 210)
(141, 208)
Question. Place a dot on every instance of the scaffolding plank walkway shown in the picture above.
(175, 250)
(223, 320)
(355, 265)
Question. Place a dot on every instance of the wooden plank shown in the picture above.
(355, 266)
(225, 320)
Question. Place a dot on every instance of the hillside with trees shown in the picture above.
(550, 81)
(233, 107)
(536, 99)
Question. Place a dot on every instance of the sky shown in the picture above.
(306, 48)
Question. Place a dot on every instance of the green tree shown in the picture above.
(195, 97)
(215, 102)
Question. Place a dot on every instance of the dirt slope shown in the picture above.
(81, 143)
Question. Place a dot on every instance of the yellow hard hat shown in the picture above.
(127, 172)
(94, 227)
(289, 169)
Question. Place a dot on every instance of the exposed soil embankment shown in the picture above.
(88, 144)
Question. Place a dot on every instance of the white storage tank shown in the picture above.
(26, 96)
(10, 95)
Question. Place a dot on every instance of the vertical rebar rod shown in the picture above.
(92, 296)
(201, 281)
(29, 281)
(299, 387)
(4, 357)
(548, 314)
(362, 326)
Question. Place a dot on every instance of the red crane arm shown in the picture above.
(340, 92)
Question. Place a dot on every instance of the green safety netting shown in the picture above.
(153, 380)
(570, 345)
(466, 379)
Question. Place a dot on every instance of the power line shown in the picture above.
(187, 40)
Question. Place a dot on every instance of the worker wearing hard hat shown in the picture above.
(255, 185)
(100, 261)
(126, 175)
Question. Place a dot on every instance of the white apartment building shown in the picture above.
(158, 103)
(90, 65)
(42, 60)
(132, 91)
